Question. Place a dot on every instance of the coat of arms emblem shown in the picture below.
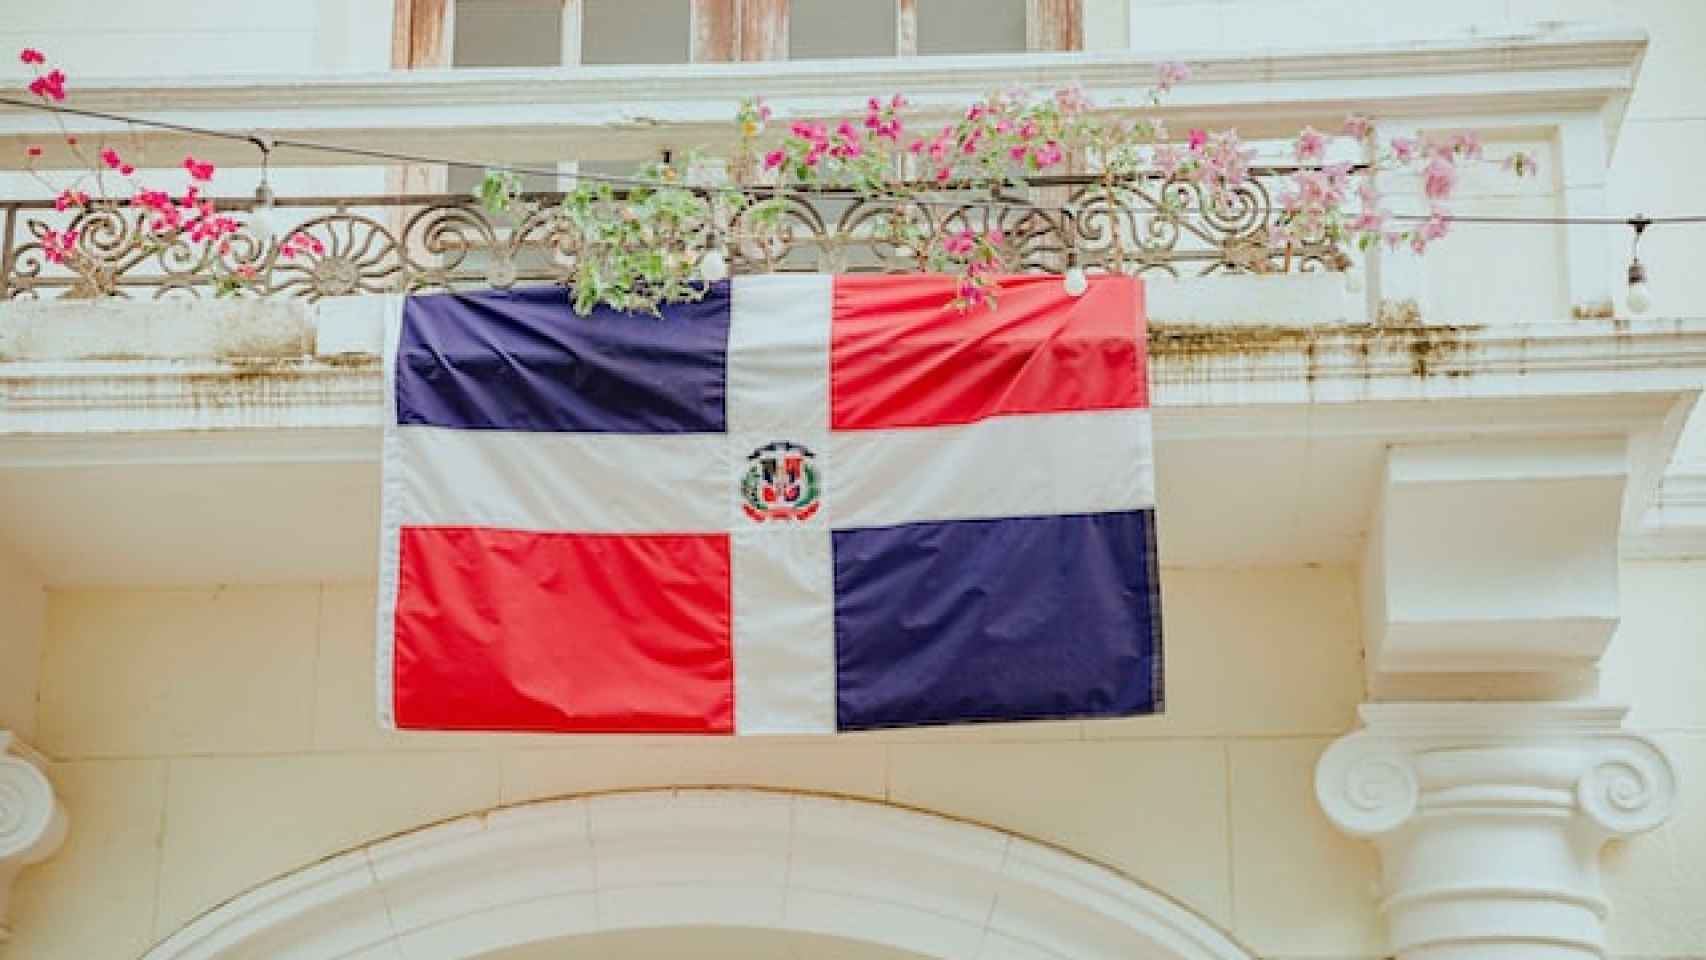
(780, 483)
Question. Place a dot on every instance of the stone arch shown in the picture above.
(906, 878)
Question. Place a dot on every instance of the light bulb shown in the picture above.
(1639, 299)
(261, 218)
(1075, 281)
(713, 266)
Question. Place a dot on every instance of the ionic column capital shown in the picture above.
(1490, 817)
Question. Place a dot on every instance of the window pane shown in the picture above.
(508, 33)
(841, 28)
(635, 31)
(971, 26)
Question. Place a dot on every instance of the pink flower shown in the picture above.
(126, 169)
(916, 146)
(246, 271)
(1311, 146)
(959, 244)
(110, 157)
(897, 102)
(1048, 154)
(1404, 149)
(1358, 127)
(70, 198)
(57, 246)
(1439, 178)
(1371, 219)
(1170, 74)
(774, 159)
(32, 56)
(33, 151)
(1071, 100)
(1167, 159)
(49, 86)
(943, 173)
(1198, 139)
(199, 170)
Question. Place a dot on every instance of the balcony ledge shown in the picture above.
(1273, 413)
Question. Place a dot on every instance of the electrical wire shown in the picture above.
(266, 144)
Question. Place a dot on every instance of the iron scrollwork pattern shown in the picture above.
(1147, 224)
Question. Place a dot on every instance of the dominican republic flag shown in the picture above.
(802, 504)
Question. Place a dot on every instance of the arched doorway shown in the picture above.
(910, 880)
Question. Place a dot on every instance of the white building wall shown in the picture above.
(209, 739)
(23, 623)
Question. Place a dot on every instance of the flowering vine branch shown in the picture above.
(189, 218)
(668, 233)
(992, 149)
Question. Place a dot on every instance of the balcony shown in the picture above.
(1281, 378)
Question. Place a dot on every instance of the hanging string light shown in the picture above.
(262, 219)
(1640, 300)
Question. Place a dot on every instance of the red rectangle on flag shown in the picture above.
(902, 356)
(571, 632)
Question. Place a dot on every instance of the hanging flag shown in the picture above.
(802, 504)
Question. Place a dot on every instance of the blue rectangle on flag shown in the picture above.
(524, 360)
(1025, 618)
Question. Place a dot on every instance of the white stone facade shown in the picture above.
(1435, 596)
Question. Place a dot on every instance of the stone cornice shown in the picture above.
(555, 112)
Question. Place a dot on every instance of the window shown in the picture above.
(635, 31)
(971, 26)
(508, 33)
(819, 29)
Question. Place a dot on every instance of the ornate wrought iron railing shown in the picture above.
(373, 244)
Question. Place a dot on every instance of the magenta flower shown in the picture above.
(49, 86)
(1404, 149)
(110, 157)
(774, 159)
(33, 151)
(32, 56)
(199, 170)
(1199, 138)
(1311, 146)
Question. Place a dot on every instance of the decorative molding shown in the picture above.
(590, 113)
(32, 820)
(1490, 817)
(1467, 569)
(658, 858)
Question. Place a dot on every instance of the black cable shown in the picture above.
(267, 144)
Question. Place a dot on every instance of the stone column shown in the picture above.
(1490, 817)
(32, 820)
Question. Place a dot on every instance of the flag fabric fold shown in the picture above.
(802, 504)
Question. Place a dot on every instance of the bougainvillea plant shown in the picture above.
(993, 147)
(660, 236)
(109, 180)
